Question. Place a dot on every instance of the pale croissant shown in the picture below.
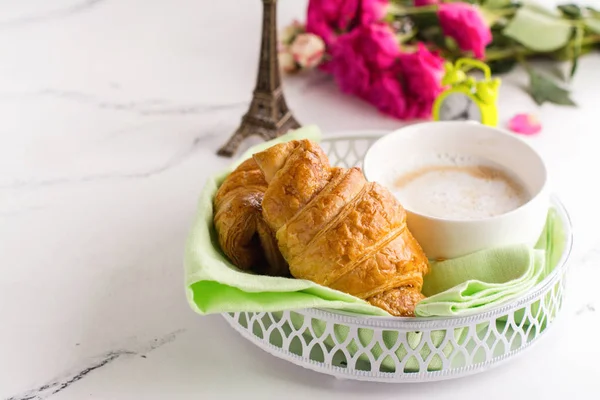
(336, 229)
(244, 236)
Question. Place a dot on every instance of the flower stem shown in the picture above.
(401, 11)
(512, 52)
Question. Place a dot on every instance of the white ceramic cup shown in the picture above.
(443, 238)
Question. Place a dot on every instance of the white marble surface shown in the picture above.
(111, 115)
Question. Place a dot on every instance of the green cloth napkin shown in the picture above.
(479, 281)
(485, 279)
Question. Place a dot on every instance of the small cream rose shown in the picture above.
(307, 50)
(289, 33)
(286, 62)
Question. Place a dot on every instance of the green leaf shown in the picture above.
(502, 66)
(572, 11)
(592, 12)
(542, 10)
(592, 19)
(497, 3)
(539, 29)
(578, 37)
(593, 24)
(490, 16)
(543, 90)
(566, 53)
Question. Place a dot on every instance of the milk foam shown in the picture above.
(458, 187)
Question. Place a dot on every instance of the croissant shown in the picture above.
(243, 235)
(338, 230)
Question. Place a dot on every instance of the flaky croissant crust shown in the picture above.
(243, 235)
(335, 228)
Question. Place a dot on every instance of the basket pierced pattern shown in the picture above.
(403, 349)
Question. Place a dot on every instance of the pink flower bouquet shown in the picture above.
(391, 53)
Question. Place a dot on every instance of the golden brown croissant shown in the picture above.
(243, 234)
(336, 229)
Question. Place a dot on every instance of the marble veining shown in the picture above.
(589, 307)
(49, 389)
(54, 387)
(170, 163)
(145, 107)
(52, 14)
(148, 107)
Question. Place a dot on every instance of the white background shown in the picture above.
(111, 114)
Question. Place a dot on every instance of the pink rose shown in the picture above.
(308, 50)
(418, 109)
(378, 44)
(373, 11)
(465, 24)
(422, 73)
(360, 53)
(328, 18)
(349, 66)
(420, 3)
(387, 95)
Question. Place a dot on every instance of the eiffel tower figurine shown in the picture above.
(268, 115)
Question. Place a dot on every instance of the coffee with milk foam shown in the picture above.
(458, 187)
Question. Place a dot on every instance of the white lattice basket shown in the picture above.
(405, 349)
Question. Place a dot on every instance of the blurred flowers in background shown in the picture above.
(391, 53)
(299, 49)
